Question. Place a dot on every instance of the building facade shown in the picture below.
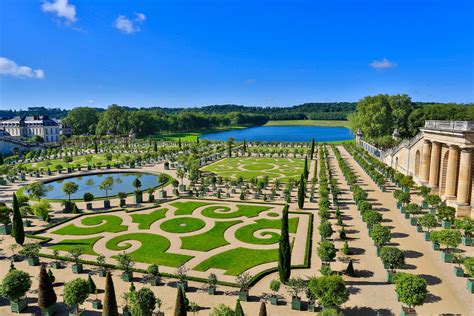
(30, 126)
(439, 156)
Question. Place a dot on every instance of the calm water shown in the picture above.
(284, 134)
(122, 183)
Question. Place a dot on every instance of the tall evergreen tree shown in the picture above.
(155, 147)
(180, 308)
(245, 146)
(284, 249)
(305, 170)
(301, 192)
(263, 309)
(229, 148)
(46, 295)
(92, 286)
(110, 301)
(312, 149)
(179, 143)
(18, 230)
(238, 309)
(1, 159)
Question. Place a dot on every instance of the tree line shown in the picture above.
(378, 116)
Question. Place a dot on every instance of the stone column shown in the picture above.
(452, 172)
(464, 180)
(425, 161)
(434, 164)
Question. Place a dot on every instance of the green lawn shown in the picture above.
(180, 225)
(236, 261)
(251, 167)
(220, 211)
(153, 249)
(145, 220)
(78, 159)
(209, 240)
(188, 207)
(86, 244)
(246, 233)
(99, 224)
(193, 135)
(308, 123)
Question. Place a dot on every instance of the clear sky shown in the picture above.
(67, 53)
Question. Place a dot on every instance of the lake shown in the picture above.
(284, 134)
(90, 183)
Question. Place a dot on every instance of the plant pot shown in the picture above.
(311, 307)
(97, 304)
(377, 250)
(458, 271)
(77, 268)
(427, 236)
(127, 276)
(26, 223)
(18, 306)
(432, 211)
(5, 229)
(183, 284)
(211, 290)
(390, 276)
(138, 198)
(126, 311)
(151, 198)
(407, 215)
(413, 221)
(470, 285)
(102, 273)
(445, 224)
(274, 300)
(76, 313)
(106, 204)
(424, 205)
(89, 206)
(49, 311)
(406, 311)
(467, 241)
(243, 296)
(296, 303)
(163, 194)
(56, 265)
(446, 256)
(33, 261)
(154, 281)
(435, 246)
(419, 228)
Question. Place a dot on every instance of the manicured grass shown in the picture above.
(78, 159)
(209, 240)
(188, 207)
(246, 233)
(273, 214)
(236, 261)
(86, 244)
(145, 220)
(308, 123)
(182, 225)
(153, 249)
(253, 167)
(220, 211)
(99, 223)
(193, 135)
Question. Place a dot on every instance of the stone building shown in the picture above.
(30, 126)
(439, 156)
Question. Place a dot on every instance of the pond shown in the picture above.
(284, 134)
(90, 183)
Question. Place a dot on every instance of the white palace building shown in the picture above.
(30, 126)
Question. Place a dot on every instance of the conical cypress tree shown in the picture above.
(305, 170)
(110, 302)
(92, 286)
(245, 146)
(17, 229)
(284, 250)
(238, 309)
(180, 308)
(179, 143)
(301, 192)
(51, 276)
(350, 269)
(46, 295)
(263, 309)
(1, 159)
(312, 149)
(155, 147)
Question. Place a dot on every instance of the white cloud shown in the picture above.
(127, 25)
(140, 17)
(382, 64)
(10, 68)
(62, 9)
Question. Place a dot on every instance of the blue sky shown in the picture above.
(67, 53)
